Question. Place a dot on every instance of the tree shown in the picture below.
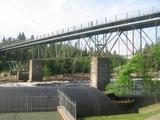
(158, 39)
(4, 39)
(32, 37)
(21, 36)
(142, 65)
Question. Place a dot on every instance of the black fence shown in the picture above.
(10, 104)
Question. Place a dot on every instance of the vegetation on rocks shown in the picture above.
(141, 65)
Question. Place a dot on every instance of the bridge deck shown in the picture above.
(138, 21)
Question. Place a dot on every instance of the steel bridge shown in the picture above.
(104, 34)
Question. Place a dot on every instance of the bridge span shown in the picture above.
(119, 23)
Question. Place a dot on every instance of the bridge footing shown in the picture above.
(100, 72)
(35, 71)
(22, 75)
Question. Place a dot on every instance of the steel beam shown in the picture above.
(124, 25)
(140, 39)
(156, 33)
(133, 42)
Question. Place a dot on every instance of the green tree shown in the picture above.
(21, 36)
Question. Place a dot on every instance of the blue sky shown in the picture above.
(43, 16)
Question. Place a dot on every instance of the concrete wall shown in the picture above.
(64, 113)
(22, 75)
(35, 71)
(100, 75)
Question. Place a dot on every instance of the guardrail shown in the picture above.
(98, 22)
(68, 104)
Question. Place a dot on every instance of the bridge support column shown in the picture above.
(22, 75)
(100, 75)
(35, 71)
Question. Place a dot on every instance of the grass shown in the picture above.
(119, 117)
(144, 113)
(147, 112)
(150, 109)
(31, 116)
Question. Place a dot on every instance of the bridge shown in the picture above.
(120, 33)
(103, 34)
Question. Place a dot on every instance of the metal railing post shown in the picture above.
(68, 104)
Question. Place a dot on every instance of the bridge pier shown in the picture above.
(21, 75)
(35, 71)
(100, 75)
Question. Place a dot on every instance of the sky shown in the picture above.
(42, 16)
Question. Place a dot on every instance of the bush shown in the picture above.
(66, 66)
(124, 82)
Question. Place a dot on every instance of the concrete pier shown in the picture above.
(100, 72)
(35, 71)
(22, 75)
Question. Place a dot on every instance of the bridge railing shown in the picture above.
(69, 106)
(125, 16)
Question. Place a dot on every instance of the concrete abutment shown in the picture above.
(35, 70)
(100, 72)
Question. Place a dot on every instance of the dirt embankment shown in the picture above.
(68, 77)
(6, 77)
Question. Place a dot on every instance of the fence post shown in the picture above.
(31, 104)
(75, 109)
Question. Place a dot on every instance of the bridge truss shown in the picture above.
(122, 34)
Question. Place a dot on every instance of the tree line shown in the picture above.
(67, 59)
